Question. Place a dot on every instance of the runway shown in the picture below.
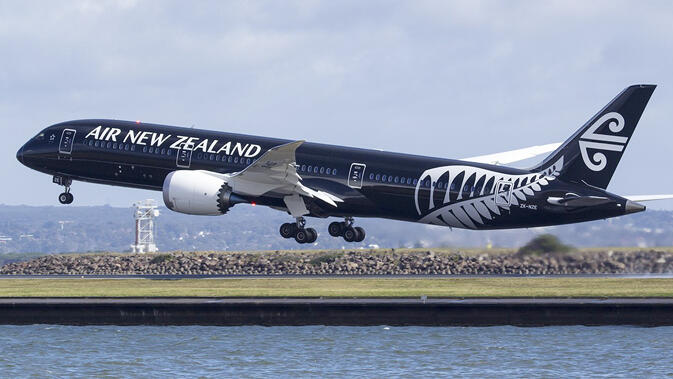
(353, 312)
(407, 276)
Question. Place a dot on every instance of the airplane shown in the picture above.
(203, 172)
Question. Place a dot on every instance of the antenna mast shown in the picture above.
(145, 212)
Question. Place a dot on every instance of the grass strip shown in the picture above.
(330, 287)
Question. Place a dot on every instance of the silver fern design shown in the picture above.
(478, 195)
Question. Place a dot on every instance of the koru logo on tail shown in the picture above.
(605, 142)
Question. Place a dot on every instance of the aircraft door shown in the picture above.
(503, 192)
(356, 174)
(184, 158)
(67, 140)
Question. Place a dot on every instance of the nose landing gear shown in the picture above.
(65, 197)
(346, 230)
(298, 231)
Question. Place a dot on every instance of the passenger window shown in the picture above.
(144, 149)
(397, 179)
(114, 145)
(127, 147)
(236, 160)
(334, 172)
(310, 169)
(229, 159)
(163, 151)
(133, 147)
(415, 181)
(328, 171)
(151, 150)
(409, 181)
(90, 142)
(169, 152)
(322, 170)
(97, 144)
(378, 177)
(109, 144)
(390, 178)
(212, 157)
(371, 176)
(303, 167)
(384, 177)
(248, 161)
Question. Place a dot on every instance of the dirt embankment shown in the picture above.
(348, 263)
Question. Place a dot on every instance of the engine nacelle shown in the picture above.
(198, 193)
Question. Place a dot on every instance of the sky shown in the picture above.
(441, 78)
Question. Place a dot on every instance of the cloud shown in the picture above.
(426, 77)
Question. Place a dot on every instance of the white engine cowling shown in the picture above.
(198, 193)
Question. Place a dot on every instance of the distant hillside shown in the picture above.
(25, 229)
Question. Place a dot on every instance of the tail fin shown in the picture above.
(591, 154)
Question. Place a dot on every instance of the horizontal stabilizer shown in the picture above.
(579, 201)
(514, 155)
(648, 197)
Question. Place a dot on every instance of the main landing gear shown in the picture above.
(346, 230)
(65, 197)
(298, 231)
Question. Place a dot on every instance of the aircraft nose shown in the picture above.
(19, 154)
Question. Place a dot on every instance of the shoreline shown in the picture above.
(338, 312)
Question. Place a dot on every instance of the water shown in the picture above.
(318, 351)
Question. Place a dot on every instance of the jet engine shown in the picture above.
(198, 193)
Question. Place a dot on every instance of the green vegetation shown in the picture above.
(544, 243)
(324, 258)
(375, 287)
(161, 258)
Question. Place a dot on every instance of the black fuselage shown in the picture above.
(371, 183)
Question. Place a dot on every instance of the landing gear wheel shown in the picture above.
(313, 235)
(361, 234)
(336, 229)
(288, 230)
(65, 198)
(302, 236)
(350, 235)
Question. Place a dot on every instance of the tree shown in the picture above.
(544, 243)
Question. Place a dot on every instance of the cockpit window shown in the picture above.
(39, 137)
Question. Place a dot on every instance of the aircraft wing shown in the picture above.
(275, 172)
(514, 155)
(648, 197)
